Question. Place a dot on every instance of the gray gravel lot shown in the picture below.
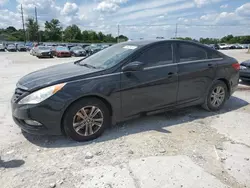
(185, 148)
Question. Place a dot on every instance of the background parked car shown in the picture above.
(21, 48)
(43, 51)
(32, 50)
(2, 48)
(11, 48)
(53, 50)
(77, 51)
(223, 46)
(92, 49)
(245, 71)
(62, 51)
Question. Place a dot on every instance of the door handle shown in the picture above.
(210, 65)
(170, 74)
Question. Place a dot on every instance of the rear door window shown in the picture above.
(160, 54)
(190, 52)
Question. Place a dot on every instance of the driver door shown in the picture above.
(155, 86)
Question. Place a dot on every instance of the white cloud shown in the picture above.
(69, 8)
(143, 14)
(148, 5)
(227, 18)
(224, 6)
(107, 7)
(2, 2)
(208, 17)
(9, 18)
(201, 3)
(244, 10)
(110, 5)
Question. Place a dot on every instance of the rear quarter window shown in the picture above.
(214, 54)
(190, 52)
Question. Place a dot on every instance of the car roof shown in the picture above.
(147, 42)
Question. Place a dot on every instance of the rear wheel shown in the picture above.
(86, 119)
(216, 96)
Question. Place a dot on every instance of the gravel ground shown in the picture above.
(185, 148)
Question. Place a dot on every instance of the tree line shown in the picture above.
(53, 32)
(229, 39)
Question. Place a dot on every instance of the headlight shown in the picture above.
(41, 95)
(242, 67)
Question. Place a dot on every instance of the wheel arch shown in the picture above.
(105, 101)
(227, 83)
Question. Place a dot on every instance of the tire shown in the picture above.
(71, 116)
(209, 101)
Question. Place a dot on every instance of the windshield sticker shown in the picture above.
(130, 47)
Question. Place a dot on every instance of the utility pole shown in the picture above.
(24, 33)
(37, 32)
(118, 32)
(176, 30)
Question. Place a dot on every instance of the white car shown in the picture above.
(224, 46)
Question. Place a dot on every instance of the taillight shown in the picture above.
(236, 66)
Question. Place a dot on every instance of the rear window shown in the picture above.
(189, 52)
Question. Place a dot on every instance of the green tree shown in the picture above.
(32, 29)
(53, 30)
(122, 38)
(85, 36)
(93, 36)
(11, 29)
(72, 34)
(100, 36)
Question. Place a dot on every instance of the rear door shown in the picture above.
(154, 87)
(196, 70)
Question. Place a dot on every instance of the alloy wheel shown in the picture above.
(217, 96)
(88, 120)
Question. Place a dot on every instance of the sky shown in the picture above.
(137, 18)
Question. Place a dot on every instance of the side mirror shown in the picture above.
(133, 66)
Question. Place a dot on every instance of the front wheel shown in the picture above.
(86, 119)
(216, 96)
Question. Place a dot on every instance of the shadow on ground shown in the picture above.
(158, 122)
(11, 163)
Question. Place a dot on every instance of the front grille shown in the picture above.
(45, 53)
(18, 94)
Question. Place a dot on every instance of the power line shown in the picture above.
(24, 33)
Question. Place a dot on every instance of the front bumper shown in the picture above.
(48, 113)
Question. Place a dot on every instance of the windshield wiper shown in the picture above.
(89, 66)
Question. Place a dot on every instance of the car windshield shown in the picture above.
(109, 57)
(61, 48)
(43, 48)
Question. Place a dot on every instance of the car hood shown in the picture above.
(78, 51)
(44, 51)
(54, 75)
(246, 63)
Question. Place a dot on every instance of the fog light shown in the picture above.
(32, 122)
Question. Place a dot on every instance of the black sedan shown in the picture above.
(245, 71)
(123, 81)
(77, 51)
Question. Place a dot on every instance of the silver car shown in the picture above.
(43, 51)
